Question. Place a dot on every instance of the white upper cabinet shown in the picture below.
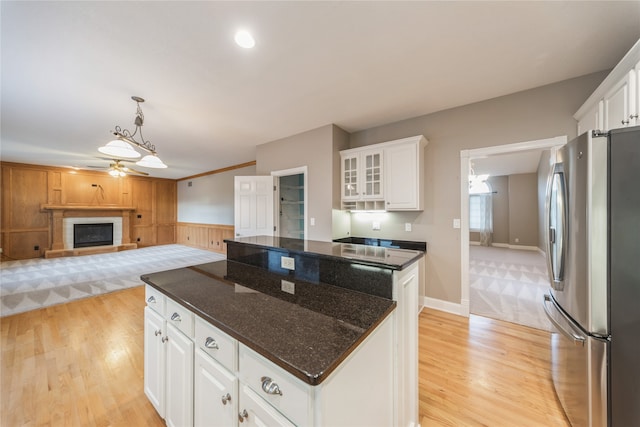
(616, 102)
(362, 175)
(386, 176)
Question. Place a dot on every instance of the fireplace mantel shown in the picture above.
(86, 208)
(59, 212)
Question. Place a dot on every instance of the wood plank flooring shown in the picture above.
(484, 372)
(81, 364)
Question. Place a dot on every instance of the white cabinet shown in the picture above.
(362, 175)
(168, 358)
(406, 284)
(385, 176)
(404, 174)
(616, 101)
(256, 412)
(215, 393)
(154, 359)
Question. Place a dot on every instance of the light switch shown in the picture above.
(456, 223)
(312, 221)
(376, 225)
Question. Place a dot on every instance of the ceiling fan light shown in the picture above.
(119, 148)
(114, 173)
(151, 161)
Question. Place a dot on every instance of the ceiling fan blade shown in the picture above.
(130, 170)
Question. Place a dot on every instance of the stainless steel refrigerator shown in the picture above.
(593, 258)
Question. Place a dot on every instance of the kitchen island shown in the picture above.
(297, 351)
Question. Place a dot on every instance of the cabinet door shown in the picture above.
(154, 359)
(216, 391)
(215, 239)
(372, 175)
(255, 411)
(401, 177)
(592, 120)
(636, 93)
(350, 176)
(179, 379)
(616, 104)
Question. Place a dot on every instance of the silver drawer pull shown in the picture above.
(151, 300)
(165, 339)
(226, 398)
(176, 317)
(242, 415)
(211, 343)
(158, 332)
(269, 386)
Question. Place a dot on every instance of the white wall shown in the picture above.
(209, 199)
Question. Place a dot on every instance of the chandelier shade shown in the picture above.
(119, 148)
(151, 161)
(125, 144)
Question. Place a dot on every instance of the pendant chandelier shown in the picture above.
(123, 145)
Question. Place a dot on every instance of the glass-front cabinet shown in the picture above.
(362, 176)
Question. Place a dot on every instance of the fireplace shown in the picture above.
(87, 235)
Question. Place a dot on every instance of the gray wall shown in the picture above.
(539, 113)
(523, 209)
(210, 198)
(318, 149)
(544, 167)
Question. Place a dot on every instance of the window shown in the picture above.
(480, 207)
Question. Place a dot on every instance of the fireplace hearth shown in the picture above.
(88, 235)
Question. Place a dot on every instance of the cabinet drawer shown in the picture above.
(217, 344)
(282, 390)
(155, 299)
(179, 317)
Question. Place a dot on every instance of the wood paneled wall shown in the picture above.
(205, 236)
(26, 227)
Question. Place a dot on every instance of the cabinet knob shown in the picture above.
(634, 116)
(158, 332)
(151, 300)
(211, 343)
(624, 122)
(242, 415)
(226, 398)
(176, 317)
(270, 387)
(165, 339)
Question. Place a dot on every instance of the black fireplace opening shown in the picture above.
(86, 235)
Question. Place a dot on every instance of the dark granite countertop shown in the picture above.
(376, 256)
(308, 333)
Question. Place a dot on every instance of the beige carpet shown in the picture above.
(36, 283)
(508, 284)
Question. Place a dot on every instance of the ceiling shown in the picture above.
(69, 69)
(507, 164)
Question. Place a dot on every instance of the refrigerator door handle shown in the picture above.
(556, 222)
(578, 340)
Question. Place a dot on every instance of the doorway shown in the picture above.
(467, 160)
(291, 205)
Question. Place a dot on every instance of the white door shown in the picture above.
(254, 205)
(179, 379)
(154, 359)
(216, 394)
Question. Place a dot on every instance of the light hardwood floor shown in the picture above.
(81, 364)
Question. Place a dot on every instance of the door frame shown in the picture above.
(465, 164)
(276, 205)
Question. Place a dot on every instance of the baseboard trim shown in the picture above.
(517, 247)
(461, 309)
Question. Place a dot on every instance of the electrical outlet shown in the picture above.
(313, 221)
(407, 226)
(376, 225)
(517, 240)
(288, 263)
(288, 287)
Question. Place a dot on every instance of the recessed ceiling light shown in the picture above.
(244, 39)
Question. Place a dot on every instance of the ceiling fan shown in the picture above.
(117, 169)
